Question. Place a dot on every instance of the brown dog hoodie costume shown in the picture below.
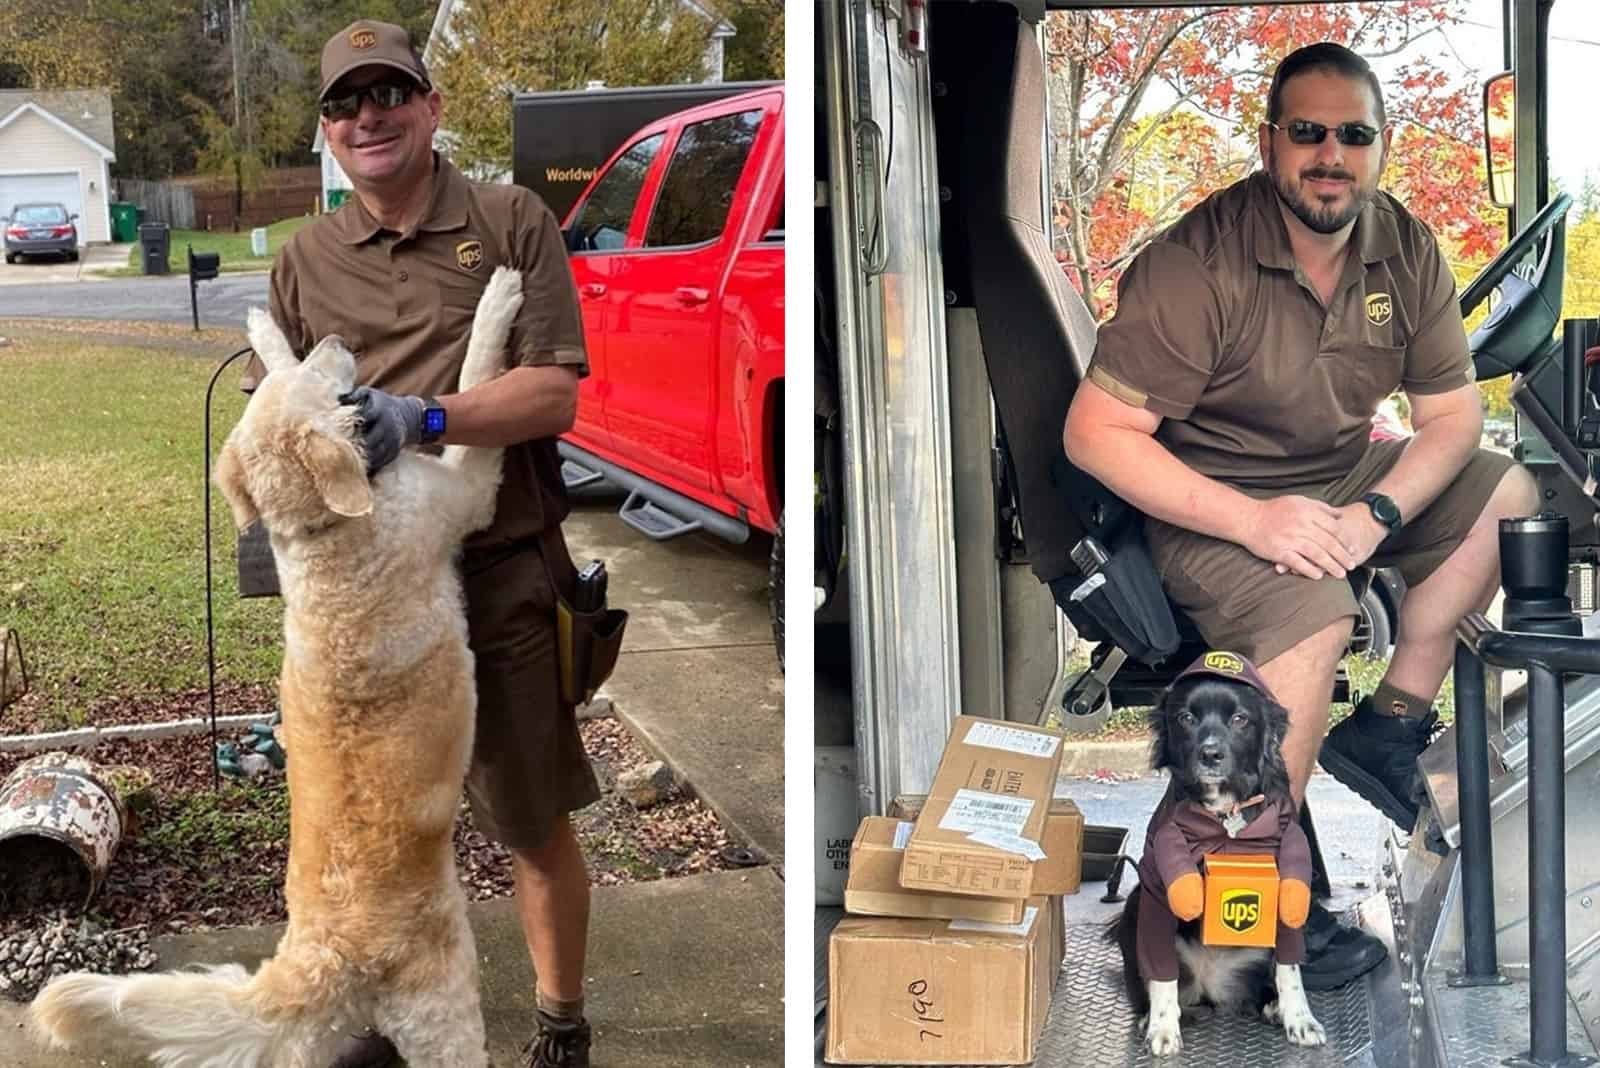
(1182, 831)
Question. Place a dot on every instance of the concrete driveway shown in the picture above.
(51, 270)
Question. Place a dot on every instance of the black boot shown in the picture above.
(1376, 756)
(1335, 953)
(558, 1044)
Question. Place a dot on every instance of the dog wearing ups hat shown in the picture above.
(1219, 732)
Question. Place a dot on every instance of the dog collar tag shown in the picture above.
(1233, 823)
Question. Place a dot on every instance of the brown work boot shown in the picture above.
(557, 1044)
(367, 1050)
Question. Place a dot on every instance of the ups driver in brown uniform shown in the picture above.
(1230, 400)
(397, 273)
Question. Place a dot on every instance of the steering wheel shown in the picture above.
(1497, 269)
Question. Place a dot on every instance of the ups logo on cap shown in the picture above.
(1224, 662)
(363, 39)
(1380, 308)
(469, 255)
(1241, 909)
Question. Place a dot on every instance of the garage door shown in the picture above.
(53, 188)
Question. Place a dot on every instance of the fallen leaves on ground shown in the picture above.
(201, 859)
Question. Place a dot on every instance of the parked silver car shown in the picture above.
(40, 229)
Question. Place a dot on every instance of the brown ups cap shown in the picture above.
(1226, 665)
(365, 42)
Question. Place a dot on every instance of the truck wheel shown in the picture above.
(775, 591)
(1374, 633)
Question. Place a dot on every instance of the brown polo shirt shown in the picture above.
(1260, 385)
(404, 304)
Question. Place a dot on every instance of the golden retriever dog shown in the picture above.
(378, 706)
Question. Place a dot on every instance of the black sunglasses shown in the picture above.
(1306, 132)
(387, 95)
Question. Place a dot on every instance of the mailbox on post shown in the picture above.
(202, 266)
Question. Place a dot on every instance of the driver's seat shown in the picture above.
(1037, 338)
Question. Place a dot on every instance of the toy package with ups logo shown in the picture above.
(1241, 901)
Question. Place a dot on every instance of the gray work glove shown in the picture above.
(388, 423)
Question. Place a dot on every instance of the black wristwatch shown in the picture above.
(1384, 510)
(432, 421)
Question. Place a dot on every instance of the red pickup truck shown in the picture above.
(677, 251)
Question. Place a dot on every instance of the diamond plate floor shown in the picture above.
(1091, 1022)
(1481, 1027)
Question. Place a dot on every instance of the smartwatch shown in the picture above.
(1384, 510)
(432, 421)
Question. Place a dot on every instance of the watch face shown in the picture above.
(1383, 509)
(433, 420)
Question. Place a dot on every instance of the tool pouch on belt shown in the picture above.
(589, 644)
(588, 641)
(1124, 598)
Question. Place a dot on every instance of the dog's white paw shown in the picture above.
(1164, 1039)
(1162, 1033)
(1294, 1010)
(1305, 1031)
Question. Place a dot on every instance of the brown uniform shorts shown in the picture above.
(1239, 601)
(528, 763)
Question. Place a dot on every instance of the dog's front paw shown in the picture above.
(1303, 1029)
(1163, 1037)
(1294, 1010)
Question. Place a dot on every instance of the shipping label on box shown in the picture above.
(1061, 870)
(874, 886)
(905, 991)
(980, 830)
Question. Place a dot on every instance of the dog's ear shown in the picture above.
(229, 477)
(331, 358)
(268, 341)
(1160, 715)
(337, 469)
(1274, 725)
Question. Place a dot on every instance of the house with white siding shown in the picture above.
(58, 145)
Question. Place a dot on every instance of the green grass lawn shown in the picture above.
(102, 571)
(235, 248)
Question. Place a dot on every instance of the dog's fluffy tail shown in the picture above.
(193, 1019)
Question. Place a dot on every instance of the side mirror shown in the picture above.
(572, 237)
(73, 217)
(1499, 137)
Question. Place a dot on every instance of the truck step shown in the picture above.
(575, 476)
(653, 521)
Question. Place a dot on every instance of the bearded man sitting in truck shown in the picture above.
(1230, 400)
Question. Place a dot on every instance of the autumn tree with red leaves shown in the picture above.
(1123, 168)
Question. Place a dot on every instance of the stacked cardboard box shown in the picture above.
(955, 934)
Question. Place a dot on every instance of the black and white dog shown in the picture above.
(1219, 732)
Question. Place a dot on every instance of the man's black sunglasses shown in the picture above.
(387, 95)
(1306, 132)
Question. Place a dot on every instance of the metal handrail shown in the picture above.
(1546, 658)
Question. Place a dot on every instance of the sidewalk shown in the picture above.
(681, 971)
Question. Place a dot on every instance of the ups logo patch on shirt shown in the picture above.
(469, 255)
(1380, 308)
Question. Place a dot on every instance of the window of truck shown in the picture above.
(702, 176)
(772, 232)
(602, 222)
